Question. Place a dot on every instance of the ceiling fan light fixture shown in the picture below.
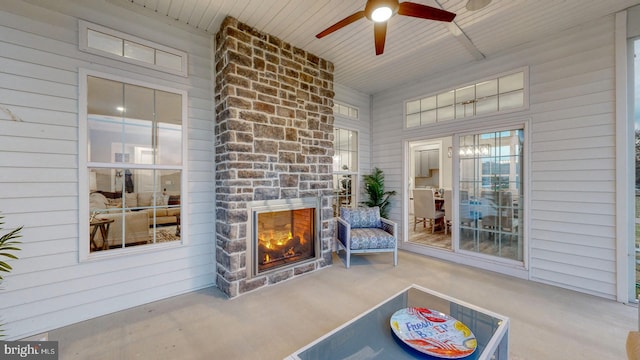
(473, 5)
(381, 14)
(380, 10)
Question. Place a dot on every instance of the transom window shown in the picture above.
(114, 44)
(345, 110)
(490, 96)
(134, 146)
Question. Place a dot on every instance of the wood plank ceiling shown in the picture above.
(415, 48)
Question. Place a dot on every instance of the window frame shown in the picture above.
(525, 106)
(355, 175)
(83, 45)
(84, 164)
(351, 110)
(524, 190)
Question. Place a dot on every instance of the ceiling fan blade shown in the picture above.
(425, 12)
(340, 24)
(380, 34)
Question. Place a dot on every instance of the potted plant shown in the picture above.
(374, 186)
(7, 244)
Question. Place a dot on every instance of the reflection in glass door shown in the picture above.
(491, 193)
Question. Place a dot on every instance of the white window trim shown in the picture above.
(83, 45)
(355, 185)
(351, 107)
(625, 138)
(525, 105)
(504, 266)
(83, 182)
(525, 181)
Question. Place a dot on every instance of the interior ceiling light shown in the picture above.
(473, 5)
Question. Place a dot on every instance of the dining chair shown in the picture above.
(490, 195)
(501, 223)
(501, 218)
(424, 208)
(448, 212)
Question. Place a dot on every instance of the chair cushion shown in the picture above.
(361, 217)
(131, 200)
(371, 238)
(98, 201)
(145, 199)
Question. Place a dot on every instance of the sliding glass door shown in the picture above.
(490, 193)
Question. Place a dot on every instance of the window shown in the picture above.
(345, 169)
(134, 162)
(503, 93)
(110, 43)
(345, 110)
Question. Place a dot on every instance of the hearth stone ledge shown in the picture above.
(248, 285)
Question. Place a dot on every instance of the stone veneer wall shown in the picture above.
(274, 140)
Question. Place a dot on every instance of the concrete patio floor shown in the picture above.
(546, 322)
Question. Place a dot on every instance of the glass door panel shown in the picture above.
(491, 194)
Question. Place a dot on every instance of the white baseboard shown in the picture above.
(37, 337)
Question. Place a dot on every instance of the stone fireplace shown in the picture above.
(274, 146)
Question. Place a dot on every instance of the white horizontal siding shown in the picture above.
(587, 78)
(39, 62)
(571, 188)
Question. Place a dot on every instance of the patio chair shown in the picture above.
(362, 230)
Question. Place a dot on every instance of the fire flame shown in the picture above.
(275, 240)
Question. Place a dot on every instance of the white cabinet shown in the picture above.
(425, 161)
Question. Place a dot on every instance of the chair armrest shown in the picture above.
(343, 230)
(389, 226)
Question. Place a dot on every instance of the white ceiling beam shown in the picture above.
(457, 32)
(465, 41)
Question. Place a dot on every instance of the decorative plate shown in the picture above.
(434, 333)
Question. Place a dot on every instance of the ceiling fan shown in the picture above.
(379, 11)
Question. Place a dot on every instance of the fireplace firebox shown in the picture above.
(284, 233)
